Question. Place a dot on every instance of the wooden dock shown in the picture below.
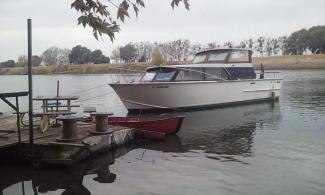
(50, 150)
(9, 133)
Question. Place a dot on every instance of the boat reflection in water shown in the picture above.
(225, 134)
(219, 132)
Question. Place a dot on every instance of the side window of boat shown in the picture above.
(215, 73)
(190, 74)
(239, 56)
(199, 59)
(241, 73)
(215, 57)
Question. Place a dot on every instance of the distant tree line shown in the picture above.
(304, 41)
(183, 49)
(298, 43)
(177, 50)
(59, 56)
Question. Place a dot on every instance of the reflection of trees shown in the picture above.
(171, 144)
(236, 140)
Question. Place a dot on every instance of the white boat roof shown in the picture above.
(221, 64)
(210, 65)
(223, 49)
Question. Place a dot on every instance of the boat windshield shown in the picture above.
(159, 75)
(199, 58)
(149, 76)
(164, 74)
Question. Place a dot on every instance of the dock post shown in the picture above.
(30, 84)
(18, 123)
(57, 94)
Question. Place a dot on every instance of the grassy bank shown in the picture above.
(275, 62)
(291, 62)
(78, 69)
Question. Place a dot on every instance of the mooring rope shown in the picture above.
(86, 90)
(98, 96)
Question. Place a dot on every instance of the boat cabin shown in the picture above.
(209, 65)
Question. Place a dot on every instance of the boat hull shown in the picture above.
(168, 125)
(181, 95)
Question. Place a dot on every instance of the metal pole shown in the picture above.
(57, 94)
(18, 122)
(30, 84)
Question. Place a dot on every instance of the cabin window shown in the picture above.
(239, 56)
(215, 73)
(199, 58)
(190, 74)
(241, 73)
(217, 57)
(164, 74)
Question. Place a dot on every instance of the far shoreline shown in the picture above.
(293, 62)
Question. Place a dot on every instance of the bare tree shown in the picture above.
(50, 55)
(63, 56)
(22, 60)
(211, 45)
(242, 44)
(144, 51)
(56, 56)
(260, 45)
(268, 46)
(116, 55)
(250, 43)
(275, 46)
(282, 44)
(194, 48)
(228, 44)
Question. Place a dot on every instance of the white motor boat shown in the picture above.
(214, 78)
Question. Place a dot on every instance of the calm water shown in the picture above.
(254, 149)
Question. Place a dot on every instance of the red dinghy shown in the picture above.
(168, 125)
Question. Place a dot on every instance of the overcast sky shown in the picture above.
(55, 24)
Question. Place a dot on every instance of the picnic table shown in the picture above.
(48, 106)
